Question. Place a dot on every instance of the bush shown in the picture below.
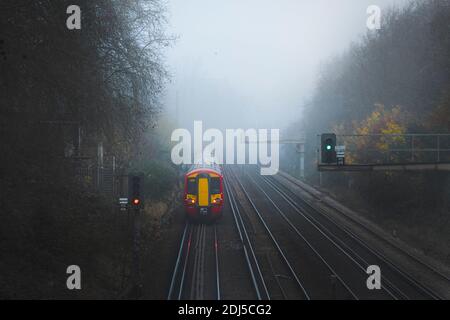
(159, 178)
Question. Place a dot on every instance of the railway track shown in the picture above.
(397, 283)
(292, 287)
(369, 230)
(254, 268)
(196, 273)
(322, 280)
(329, 261)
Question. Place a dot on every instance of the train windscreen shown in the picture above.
(192, 186)
(214, 185)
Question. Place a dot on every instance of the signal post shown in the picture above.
(135, 204)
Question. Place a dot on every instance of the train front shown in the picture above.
(203, 193)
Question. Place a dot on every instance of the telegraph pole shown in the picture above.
(136, 200)
(136, 251)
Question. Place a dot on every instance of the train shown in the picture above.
(203, 192)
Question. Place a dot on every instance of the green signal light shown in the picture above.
(328, 147)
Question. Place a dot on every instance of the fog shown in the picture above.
(254, 63)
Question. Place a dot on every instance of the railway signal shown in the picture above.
(136, 200)
(135, 190)
(328, 148)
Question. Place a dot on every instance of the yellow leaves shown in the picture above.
(392, 128)
(376, 135)
(363, 130)
(382, 121)
(350, 159)
(382, 146)
(389, 122)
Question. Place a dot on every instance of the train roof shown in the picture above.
(209, 166)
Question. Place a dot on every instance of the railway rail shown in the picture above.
(369, 230)
(302, 292)
(196, 273)
(254, 268)
(397, 283)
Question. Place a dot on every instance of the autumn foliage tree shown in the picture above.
(375, 136)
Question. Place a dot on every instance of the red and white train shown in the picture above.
(203, 192)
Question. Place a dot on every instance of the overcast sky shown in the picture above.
(253, 63)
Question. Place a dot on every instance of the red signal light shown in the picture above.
(136, 201)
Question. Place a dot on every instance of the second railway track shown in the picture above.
(196, 273)
(410, 255)
(396, 282)
(272, 272)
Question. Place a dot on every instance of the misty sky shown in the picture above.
(253, 63)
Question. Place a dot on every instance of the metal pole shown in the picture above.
(136, 251)
(318, 151)
(302, 161)
(318, 159)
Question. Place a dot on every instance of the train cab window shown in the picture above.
(192, 186)
(214, 185)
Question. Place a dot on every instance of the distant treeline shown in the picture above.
(406, 63)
